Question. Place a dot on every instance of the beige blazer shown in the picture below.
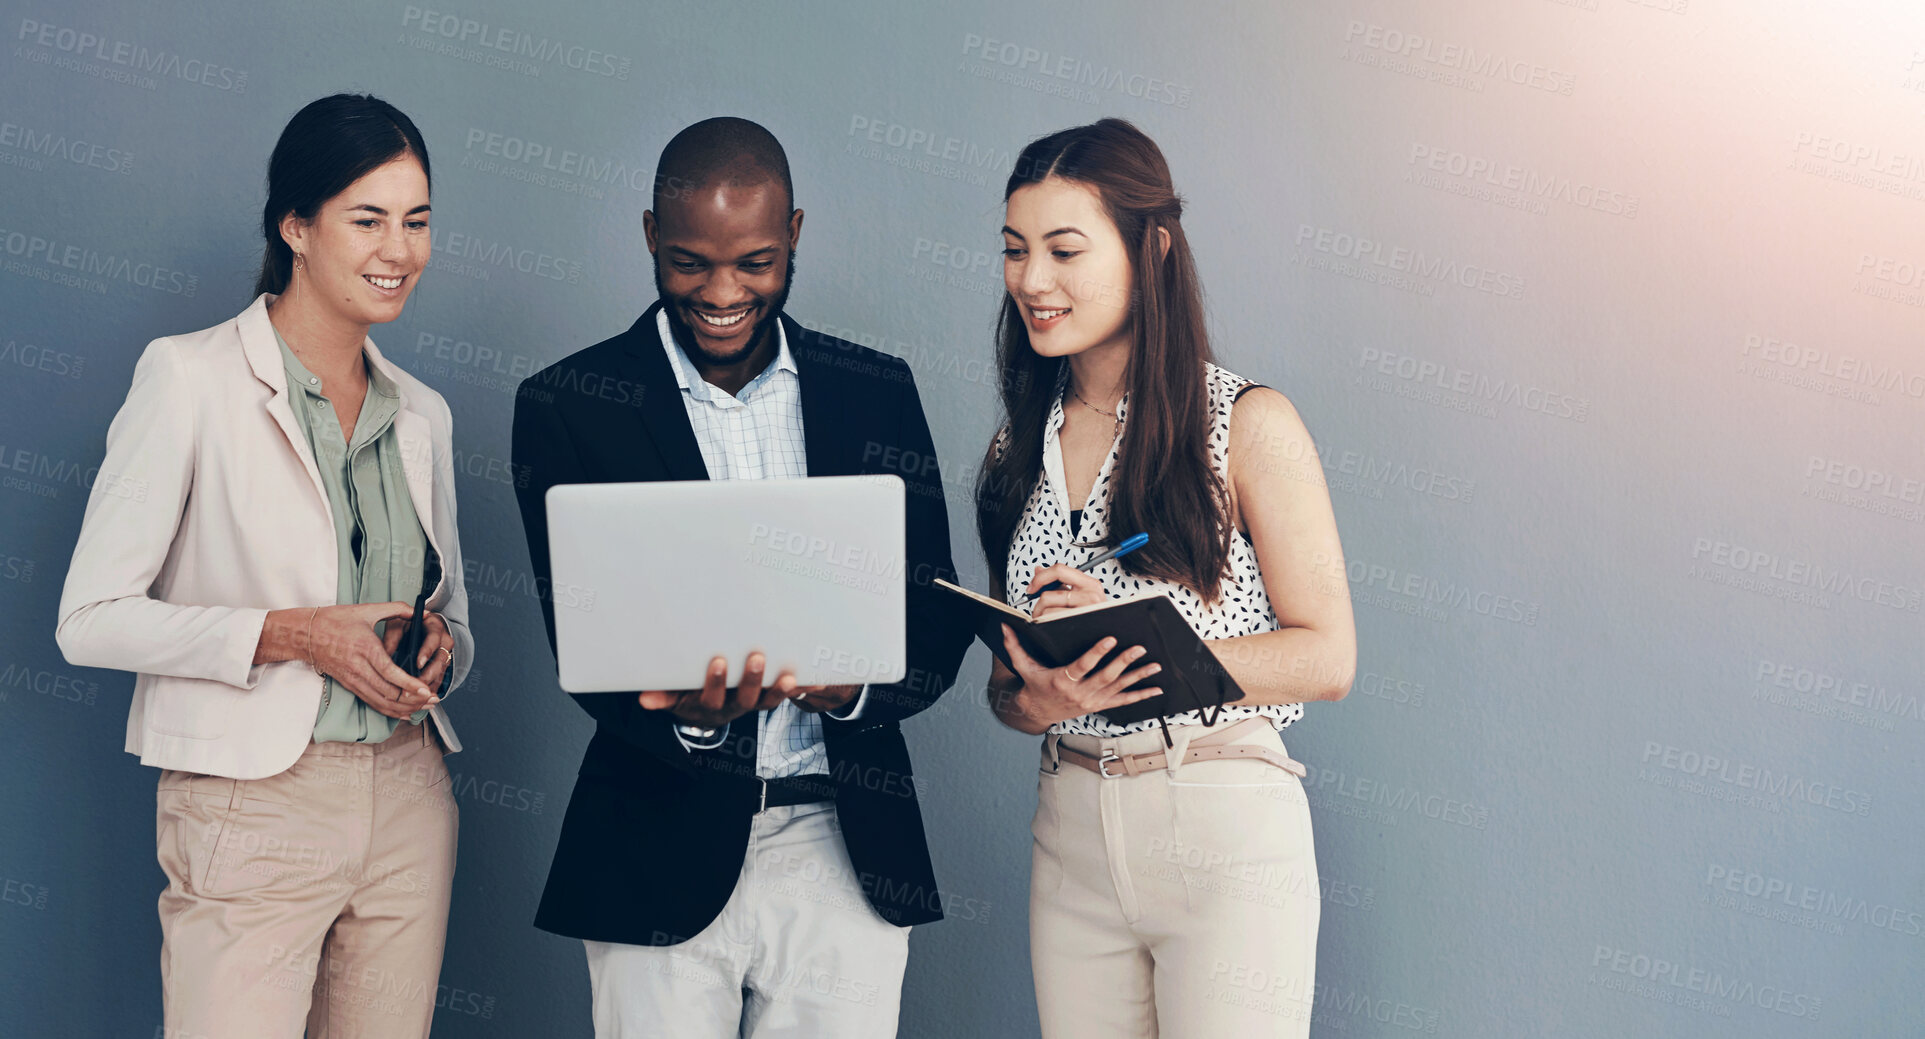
(208, 512)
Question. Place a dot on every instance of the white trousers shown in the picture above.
(797, 951)
(1180, 904)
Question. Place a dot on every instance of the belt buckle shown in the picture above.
(763, 804)
(1103, 765)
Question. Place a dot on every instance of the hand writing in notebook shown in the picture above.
(1079, 589)
(1054, 694)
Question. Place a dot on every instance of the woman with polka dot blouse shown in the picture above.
(1173, 883)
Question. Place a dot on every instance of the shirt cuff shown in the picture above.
(853, 707)
(693, 738)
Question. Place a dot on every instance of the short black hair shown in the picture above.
(726, 150)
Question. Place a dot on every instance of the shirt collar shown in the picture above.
(690, 381)
(299, 375)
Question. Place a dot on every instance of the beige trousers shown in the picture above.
(1180, 903)
(316, 898)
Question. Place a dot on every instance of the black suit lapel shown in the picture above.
(826, 428)
(664, 418)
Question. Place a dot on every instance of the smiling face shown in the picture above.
(723, 264)
(1065, 265)
(363, 252)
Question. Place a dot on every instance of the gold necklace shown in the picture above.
(1111, 416)
(1092, 407)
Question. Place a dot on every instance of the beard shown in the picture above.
(770, 307)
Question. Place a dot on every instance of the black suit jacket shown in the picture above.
(655, 834)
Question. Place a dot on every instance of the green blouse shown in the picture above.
(377, 535)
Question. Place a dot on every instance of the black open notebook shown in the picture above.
(1192, 678)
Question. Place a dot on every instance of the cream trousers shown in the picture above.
(1179, 903)
(797, 953)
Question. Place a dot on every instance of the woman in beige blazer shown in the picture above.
(274, 496)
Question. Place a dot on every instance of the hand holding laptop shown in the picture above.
(715, 705)
(645, 576)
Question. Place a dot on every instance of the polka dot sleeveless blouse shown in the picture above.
(1043, 538)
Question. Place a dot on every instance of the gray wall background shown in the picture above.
(1606, 316)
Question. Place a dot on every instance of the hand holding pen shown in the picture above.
(1063, 587)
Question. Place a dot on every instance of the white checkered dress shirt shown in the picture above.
(756, 435)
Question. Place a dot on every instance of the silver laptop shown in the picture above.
(651, 580)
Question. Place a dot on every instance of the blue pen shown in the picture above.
(1130, 544)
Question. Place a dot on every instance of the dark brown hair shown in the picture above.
(325, 148)
(1163, 482)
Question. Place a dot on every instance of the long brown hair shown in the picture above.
(1163, 482)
